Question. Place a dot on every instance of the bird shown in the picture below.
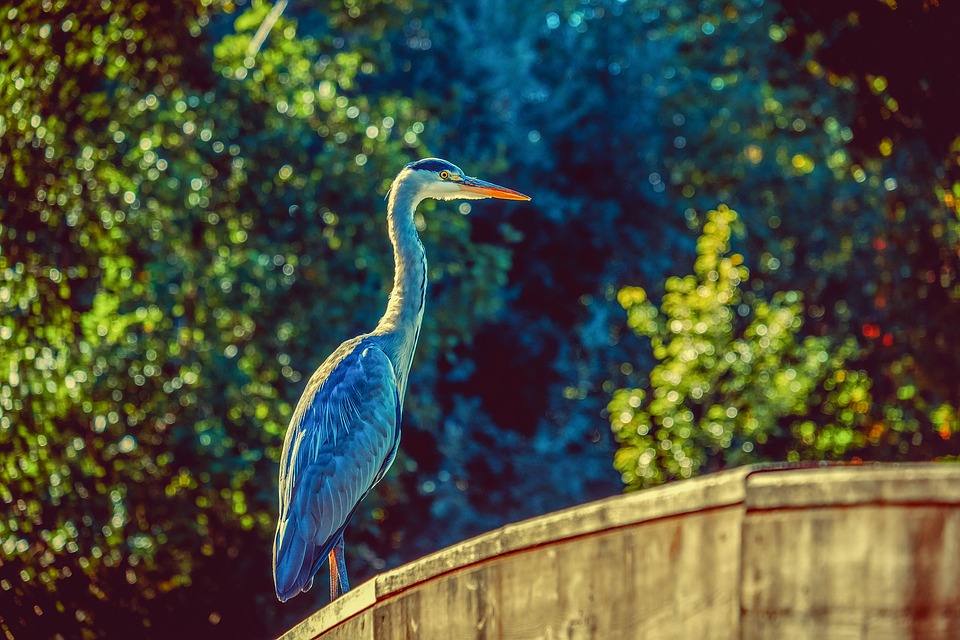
(345, 431)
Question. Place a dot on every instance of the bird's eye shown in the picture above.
(444, 175)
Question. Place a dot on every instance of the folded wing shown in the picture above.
(340, 442)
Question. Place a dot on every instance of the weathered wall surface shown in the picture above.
(870, 553)
(754, 553)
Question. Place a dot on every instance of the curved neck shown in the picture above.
(401, 321)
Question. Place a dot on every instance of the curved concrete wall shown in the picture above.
(865, 552)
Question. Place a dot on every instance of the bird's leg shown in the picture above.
(339, 584)
(334, 575)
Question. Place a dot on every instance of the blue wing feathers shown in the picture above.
(343, 435)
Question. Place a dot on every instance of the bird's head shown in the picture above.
(442, 180)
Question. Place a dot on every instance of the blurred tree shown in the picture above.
(865, 233)
(178, 256)
(70, 534)
(734, 382)
(629, 119)
(900, 58)
(533, 86)
(896, 58)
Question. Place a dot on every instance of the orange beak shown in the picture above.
(490, 190)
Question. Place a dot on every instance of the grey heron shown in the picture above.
(345, 430)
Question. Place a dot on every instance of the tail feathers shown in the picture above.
(295, 561)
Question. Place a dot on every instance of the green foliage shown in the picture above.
(734, 381)
(177, 257)
(857, 221)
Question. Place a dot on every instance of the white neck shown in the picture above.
(400, 323)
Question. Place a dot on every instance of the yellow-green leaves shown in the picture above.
(734, 381)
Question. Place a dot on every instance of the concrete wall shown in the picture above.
(754, 553)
